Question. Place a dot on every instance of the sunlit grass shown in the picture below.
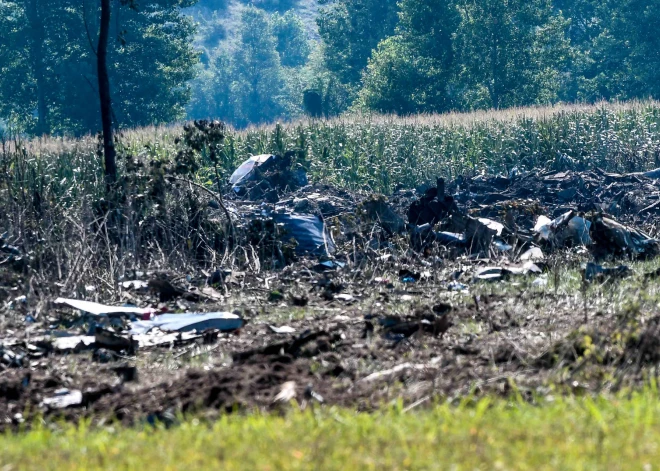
(601, 433)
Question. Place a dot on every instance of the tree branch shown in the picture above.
(216, 197)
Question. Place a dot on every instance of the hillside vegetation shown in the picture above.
(228, 12)
(252, 63)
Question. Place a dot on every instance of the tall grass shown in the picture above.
(379, 153)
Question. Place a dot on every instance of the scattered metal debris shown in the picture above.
(222, 321)
(101, 309)
(64, 398)
(285, 329)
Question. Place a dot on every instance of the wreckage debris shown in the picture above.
(567, 230)
(71, 343)
(532, 254)
(386, 374)
(102, 309)
(14, 256)
(540, 282)
(306, 344)
(424, 236)
(10, 358)
(126, 373)
(109, 340)
(435, 321)
(262, 176)
(287, 392)
(377, 210)
(63, 399)
(580, 202)
(329, 265)
(495, 228)
(309, 233)
(311, 395)
(282, 330)
(433, 207)
(165, 290)
(613, 237)
(222, 321)
(504, 273)
(218, 277)
(134, 285)
(101, 355)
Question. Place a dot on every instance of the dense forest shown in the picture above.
(255, 62)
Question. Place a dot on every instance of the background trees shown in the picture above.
(466, 54)
(257, 77)
(509, 53)
(412, 70)
(49, 71)
(291, 41)
(351, 30)
(261, 76)
(254, 62)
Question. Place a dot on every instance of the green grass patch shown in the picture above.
(573, 433)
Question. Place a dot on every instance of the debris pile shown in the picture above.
(541, 212)
(265, 177)
(359, 282)
(10, 254)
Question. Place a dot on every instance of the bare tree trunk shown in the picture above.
(104, 95)
(37, 39)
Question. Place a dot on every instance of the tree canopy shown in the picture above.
(48, 70)
(255, 62)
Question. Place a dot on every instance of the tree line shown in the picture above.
(442, 55)
(392, 56)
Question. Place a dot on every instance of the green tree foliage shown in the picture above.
(212, 30)
(411, 71)
(626, 52)
(48, 78)
(16, 80)
(464, 54)
(273, 5)
(212, 95)
(257, 70)
(292, 41)
(401, 56)
(214, 5)
(351, 30)
(510, 52)
(264, 75)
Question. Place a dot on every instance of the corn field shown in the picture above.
(382, 153)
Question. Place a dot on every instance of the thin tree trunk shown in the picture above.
(495, 90)
(36, 46)
(104, 95)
